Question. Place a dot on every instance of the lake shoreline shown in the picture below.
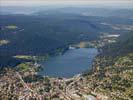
(80, 61)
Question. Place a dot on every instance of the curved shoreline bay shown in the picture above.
(72, 62)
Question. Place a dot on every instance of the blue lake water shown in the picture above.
(72, 62)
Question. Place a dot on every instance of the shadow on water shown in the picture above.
(72, 62)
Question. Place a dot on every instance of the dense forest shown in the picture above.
(35, 35)
(123, 46)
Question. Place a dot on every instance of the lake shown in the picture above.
(72, 62)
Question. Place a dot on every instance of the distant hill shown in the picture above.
(80, 10)
(92, 11)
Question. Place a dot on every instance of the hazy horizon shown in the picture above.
(97, 3)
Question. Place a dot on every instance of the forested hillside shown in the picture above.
(123, 46)
(43, 33)
(111, 76)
